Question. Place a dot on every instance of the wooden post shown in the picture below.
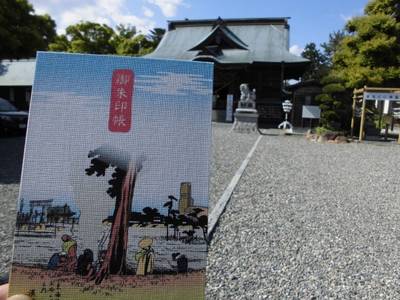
(353, 114)
(386, 131)
(380, 105)
(398, 140)
(293, 108)
(362, 123)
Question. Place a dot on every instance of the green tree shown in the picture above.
(335, 103)
(367, 52)
(155, 35)
(129, 42)
(22, 32)
(387, 7)
(318, 63)
(332, 45)
(89, 37)
(136, 46)
(335, 98)
(370, 53)
(86, 37)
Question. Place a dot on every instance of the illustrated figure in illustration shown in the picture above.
(96, 266)
(57, 261)
(69, 249)
(85, 263)
(145, 257)
(181, 262)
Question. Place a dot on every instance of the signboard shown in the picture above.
(382, 96)
(229, 108)
(121, 101)
(311, 112)
(113, 201)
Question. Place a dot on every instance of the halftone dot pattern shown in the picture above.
(79, 180)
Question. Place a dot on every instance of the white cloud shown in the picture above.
(41, 10)
(346, 18)
(83, 13)
(147, 12)
(168, 7)
(174, 84)
(296, 50)
(110, 12)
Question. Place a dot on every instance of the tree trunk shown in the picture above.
(115, 260)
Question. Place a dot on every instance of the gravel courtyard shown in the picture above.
(311, 221)
(306, 221)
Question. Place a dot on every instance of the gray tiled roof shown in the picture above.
(17, 72)
(267, 41)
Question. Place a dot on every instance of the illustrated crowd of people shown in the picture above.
(67, 260)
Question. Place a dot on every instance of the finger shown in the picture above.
(19, 297)
(3, 291)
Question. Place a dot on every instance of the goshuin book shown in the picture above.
(113, 201)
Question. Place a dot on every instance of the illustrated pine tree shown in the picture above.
(121, 189)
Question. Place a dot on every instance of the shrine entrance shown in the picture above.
(384, 100)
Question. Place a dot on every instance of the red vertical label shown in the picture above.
(120, 116)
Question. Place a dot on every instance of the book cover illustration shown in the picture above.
(113, 201)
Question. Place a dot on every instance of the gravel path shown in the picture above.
(311, 221)
(306, 220)
(11, 153)
(228, 151)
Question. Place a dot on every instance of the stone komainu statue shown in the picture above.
(246, 116)
(247, 97)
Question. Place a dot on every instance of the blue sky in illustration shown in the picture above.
(311, 20)
(69, 117)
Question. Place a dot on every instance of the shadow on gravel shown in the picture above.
(11, 155)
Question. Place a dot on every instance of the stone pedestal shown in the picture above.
(246, 120)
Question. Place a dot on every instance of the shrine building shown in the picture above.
(253, 51)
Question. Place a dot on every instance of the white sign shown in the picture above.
(382, 96)
(229, 107)
(311, 112)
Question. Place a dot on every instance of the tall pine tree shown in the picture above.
(370, 53)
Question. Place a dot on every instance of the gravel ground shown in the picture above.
(307, 221)
(11, 153)
(311, 221)
(228, 151)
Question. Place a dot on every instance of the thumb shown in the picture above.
(19, 297)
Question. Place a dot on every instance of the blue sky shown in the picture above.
(311, 20)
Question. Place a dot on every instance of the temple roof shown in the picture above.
(229, 41)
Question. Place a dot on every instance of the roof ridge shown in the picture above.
(243, 21)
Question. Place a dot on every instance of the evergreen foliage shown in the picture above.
(370, 52)
(22, 32)
(318, 63)
(335, 103)
(89, 37)
(366, 53)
